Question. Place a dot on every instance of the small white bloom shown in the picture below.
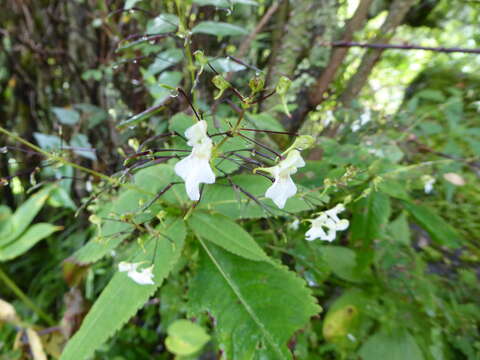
(142, 277)
(195, 168)
(283, 186)
(428, 182)
(328, 219)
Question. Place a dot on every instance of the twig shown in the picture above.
(248, 41)
(402, 47)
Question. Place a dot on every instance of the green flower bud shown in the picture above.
(221, 84)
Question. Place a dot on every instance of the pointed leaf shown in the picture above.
(218, 29)
(440, 231)
(370, 217)
(224, 232)
(257, 306)
(23, 216)
(33, 235)
(122, 297)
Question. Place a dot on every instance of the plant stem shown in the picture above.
(23, 297)
(62, 160)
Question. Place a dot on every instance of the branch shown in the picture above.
(248, 41)
(398, 11)
(343, 44)
(355, 23)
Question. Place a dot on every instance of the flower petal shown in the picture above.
(144, 277)
(282, 189)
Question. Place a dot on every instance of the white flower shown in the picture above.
(328, 219)
(195, 168)
(142, 277)
(428, 182)
(283, 186)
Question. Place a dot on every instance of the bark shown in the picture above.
(397, 13)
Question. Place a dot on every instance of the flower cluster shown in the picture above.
(195, 168)
(326, 225)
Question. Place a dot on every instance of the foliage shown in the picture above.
(105, 255)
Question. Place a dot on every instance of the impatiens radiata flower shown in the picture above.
(195, 168)
(428, 182)
(326, 225)
(142, 277)
(283, 186)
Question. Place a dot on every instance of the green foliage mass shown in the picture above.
(104, 254)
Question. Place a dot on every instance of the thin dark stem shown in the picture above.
(261, 145)
(402, 47)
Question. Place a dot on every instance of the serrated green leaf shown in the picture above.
(395, 345)
(224, 232)
(257, 306)
(122, 297)
(33, 235)
(218, 29)
(23, 216)
(440, 231)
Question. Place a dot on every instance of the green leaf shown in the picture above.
(5, 214)
(185, 337)
(66, 116)
(122, 297)
(370, 217)
(23, 216)
(395, 345)
(130, 4)
(223, 65)
(344, 315)
(162, 24)
(82, 147)
(164, 60)
(265, 121)
(400, 230)
(224, 232)
(343, 262)
(440, 231)
(257, 306)
(48, 142)
(218, 29)
(33, 235)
